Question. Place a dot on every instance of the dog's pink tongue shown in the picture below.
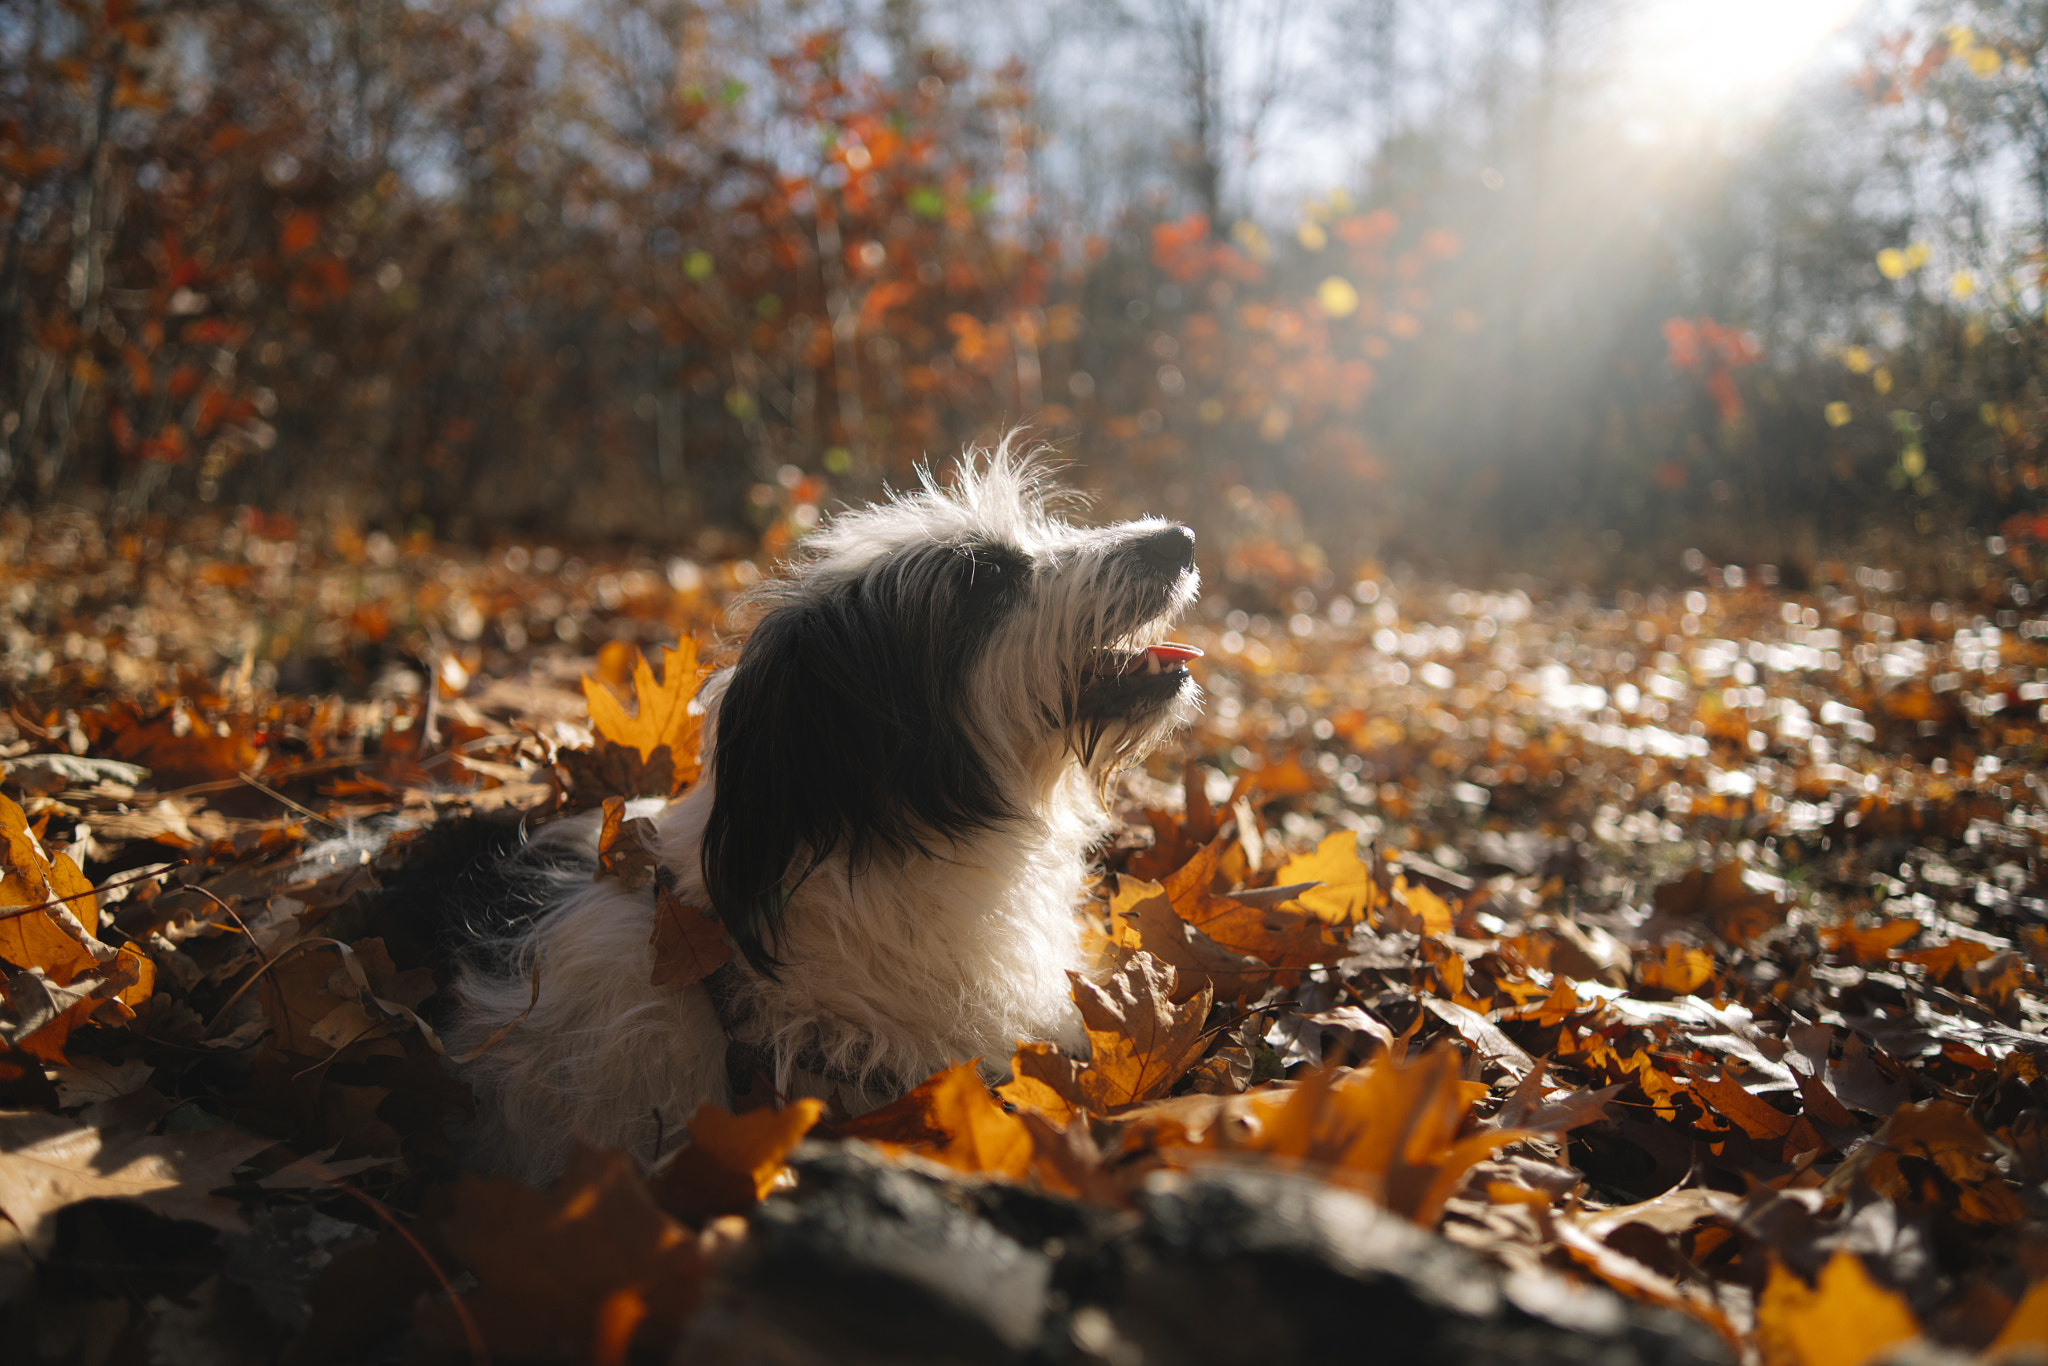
(1173, 652)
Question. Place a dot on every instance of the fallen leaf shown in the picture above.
(551, 1266)
(48, 1162)
(662, 718)
(1843, 1319)
(625, 846)
(1146, 919)
(1141, 1041)
(732, 1161)
(2027, 1325)
(28, 877)
(688, 944)
(1723, 900)
(1389, 1127)
(951, 1119)
(1348, 892)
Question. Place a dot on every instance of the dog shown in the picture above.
(905, 772)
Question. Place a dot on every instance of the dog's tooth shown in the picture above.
(1151, 662)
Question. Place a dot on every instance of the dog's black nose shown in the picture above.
(1172, 549)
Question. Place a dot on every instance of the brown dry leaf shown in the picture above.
(561, 1272)
(1143, 918)
(1348, 892)
(1729, 905)
(951, 1119)
(688, 944)
(48, 1162)
(608, 770)
(733, 1161)
(1589, 1249)
(662, 718)
(179, 747)
(1757, 1117)
(1142, 1041)
(55, 945)
(625, 846)
(1282, 937)
(1933, 1152)
(1843, 1319)
(1188, 885)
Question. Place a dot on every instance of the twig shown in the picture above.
(9, 912)
(479, 1353)
(275, 795)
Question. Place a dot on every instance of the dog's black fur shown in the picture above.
(845, 716)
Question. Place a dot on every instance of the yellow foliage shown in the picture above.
(1845, 1319)
(1338, 296)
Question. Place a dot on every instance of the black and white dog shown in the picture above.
(905, 772)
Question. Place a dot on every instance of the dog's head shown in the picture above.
(931, 669)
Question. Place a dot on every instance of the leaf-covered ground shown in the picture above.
(1689, 943)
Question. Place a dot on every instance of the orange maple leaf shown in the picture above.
(733, 1161)
(1389, 1128)
(951, 1119)
(662, 718)
(1844, 1319)
(1141, 1041)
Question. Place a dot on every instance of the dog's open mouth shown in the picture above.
(1123, 682)
(1165, 657)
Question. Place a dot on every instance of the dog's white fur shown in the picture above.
(892, 965)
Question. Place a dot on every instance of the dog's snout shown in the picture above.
(1171, 550)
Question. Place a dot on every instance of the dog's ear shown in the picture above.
(843, 729)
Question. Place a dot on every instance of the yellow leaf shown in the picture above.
(754, 1143)
(1856, 360)
(1044, 1081)
(1845, 1319)
(1252, 238)
(1837, 414)
(951, 1119)
(1891, 263)
(1431, 910)
(663, 716)
(1881, 380)
(1311, 235)
(2027, 1325)
(1337, 295)
(1348, 890)
(1962, 284)
(1916, 255)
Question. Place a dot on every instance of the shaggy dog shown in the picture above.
(904, 773)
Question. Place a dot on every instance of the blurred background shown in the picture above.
(1600, 288)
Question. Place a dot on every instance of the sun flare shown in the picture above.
(1701, 56)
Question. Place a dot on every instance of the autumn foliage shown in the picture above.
(1675, 1020)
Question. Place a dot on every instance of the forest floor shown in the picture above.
(1689, 944)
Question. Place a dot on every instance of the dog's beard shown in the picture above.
(1107, 682)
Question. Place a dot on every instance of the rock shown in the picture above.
(872, 1260)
